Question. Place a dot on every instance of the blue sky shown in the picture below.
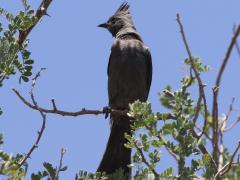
(75, 52)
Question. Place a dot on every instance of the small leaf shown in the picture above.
(25, 54)
(29, 62)
(28, 68)
(24, 78)
(64, 168)
(27, 73)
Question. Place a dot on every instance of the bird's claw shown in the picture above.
(106, 111)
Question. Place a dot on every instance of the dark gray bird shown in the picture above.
(129, 79)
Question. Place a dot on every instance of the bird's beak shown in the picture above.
(103, 25)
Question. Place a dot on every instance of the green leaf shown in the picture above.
(29, 62)
(28, 68)
(24, 78)
(27, 73)
(25, 5)
(50, 169)
(64, 168)
(168, 173)
(26, 54)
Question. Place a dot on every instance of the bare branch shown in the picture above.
(232, 125)
(40, 133)
(230, 109)
(226, 128)
(215, 94)
(63, 151)
(236, 44)
(227, 55)
(54, 104)
(83, 111)
(35, 145)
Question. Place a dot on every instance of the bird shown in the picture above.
(129, 79)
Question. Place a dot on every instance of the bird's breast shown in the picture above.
(127, 73)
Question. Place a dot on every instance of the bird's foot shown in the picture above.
(106, 111)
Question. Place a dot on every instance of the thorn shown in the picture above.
(44, 11)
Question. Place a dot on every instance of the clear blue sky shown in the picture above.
(75, 53)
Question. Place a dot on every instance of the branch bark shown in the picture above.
(215, 95)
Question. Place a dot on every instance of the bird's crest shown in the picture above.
(123, 9)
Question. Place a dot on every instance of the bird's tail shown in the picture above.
(116, 155)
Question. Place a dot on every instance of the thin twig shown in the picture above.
(54, 104)
(230, 109)
(205, 134)
(226, 128)
(232, 125)
(40, 133)
(227, 166)
(175, 156)
(35, 145)
(63, 151)
(236, 44)
(227, 55)
(215, 94)
(83, 111)
(200, 84)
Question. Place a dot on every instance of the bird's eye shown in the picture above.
(113, 20)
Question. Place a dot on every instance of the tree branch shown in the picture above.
(232, 125)
(215, 94)
(83, 111)
(201, 94)
(200, 84)
(41, 11)
(236, 44)
(63, 151)
(40, 133)
(227, 166)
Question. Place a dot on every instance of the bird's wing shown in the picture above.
(109, 61)
(149, 69)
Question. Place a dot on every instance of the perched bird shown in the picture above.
(129, 79)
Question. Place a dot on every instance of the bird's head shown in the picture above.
(120, 20)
